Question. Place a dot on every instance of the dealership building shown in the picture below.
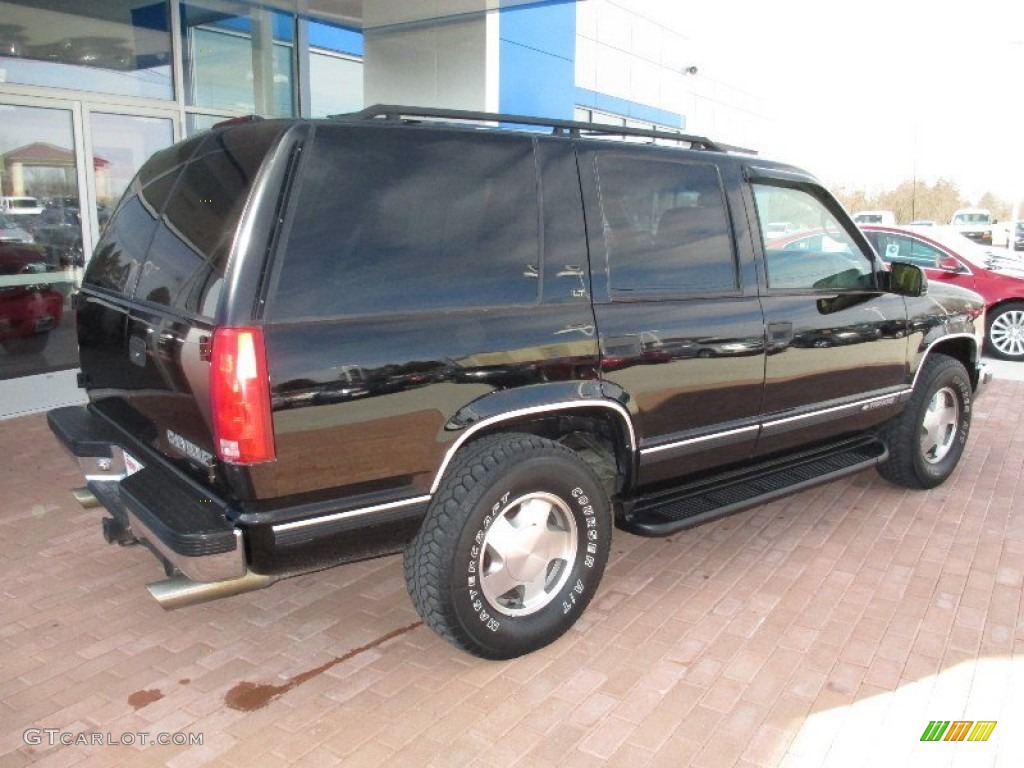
(88, 90)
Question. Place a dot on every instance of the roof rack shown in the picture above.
(558, 127)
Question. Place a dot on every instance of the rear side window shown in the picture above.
(410, 220)
(666, 226)
(198, 225)
(170, 236)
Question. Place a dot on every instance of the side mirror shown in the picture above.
(949, 264)
(907, 279)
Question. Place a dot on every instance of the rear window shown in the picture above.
(172, 233)
(16, 203)
(410, 220)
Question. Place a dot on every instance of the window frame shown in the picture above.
(781, 179)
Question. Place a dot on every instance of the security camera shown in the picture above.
(690, 70)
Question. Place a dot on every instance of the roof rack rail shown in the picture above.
(558, 127)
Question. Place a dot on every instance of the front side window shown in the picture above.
(817, 253)
(397, 221)
(666, 227)
(906, 249)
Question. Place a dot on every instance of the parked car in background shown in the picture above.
(947, 257)
(11, 230)
(59, 231)
(20, 206)
(1018, 236)
(875, 217)
(974, 223)
(27, 312)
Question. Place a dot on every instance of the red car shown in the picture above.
(951, 258)
(27, 312)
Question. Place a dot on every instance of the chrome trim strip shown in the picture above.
(924, 357)
(894, 396)
(349, 513)
(529, 412)
(701, 439)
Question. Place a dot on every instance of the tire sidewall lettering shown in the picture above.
(573, 595)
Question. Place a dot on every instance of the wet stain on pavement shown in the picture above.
(248, 697)
(140, 699)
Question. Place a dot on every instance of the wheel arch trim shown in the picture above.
(972, 339)
(519, 413)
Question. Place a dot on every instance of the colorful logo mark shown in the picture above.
(959, 730)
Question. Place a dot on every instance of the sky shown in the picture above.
(867, 94)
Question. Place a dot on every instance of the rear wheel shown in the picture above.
(1006, 331)
(512, 548)
(927, 439)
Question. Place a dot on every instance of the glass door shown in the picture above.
(41, 238)
(63, 166)
(119, 145)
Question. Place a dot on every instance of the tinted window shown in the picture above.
(407, 220)
(123, 245)
(201, 215)
(817, 253)
(665, 226)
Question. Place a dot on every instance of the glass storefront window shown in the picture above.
(121, 144)
(335, 74)
(108, 46)
(197, 123)
(40, 240)
(238, 58)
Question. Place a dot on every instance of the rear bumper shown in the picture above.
(984, 377)
(183, 523)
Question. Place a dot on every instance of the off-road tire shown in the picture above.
(942, 378)
(445, 562)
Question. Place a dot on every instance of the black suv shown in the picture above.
(310, 342)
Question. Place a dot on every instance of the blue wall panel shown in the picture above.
(537, 70)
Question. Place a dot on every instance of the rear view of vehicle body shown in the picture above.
(310, 342)
(875, 217)
(952, 260)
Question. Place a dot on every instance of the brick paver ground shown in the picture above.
(827, 628)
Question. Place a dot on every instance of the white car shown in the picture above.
(12, 232)
(974, 223)
(20, 206)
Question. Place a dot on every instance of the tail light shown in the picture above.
(243, 428)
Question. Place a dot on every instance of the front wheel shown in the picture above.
(512, 548)
(927, 439)
(1005, 335)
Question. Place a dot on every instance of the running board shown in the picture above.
(708, 499)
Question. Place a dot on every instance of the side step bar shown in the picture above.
(708, 499)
